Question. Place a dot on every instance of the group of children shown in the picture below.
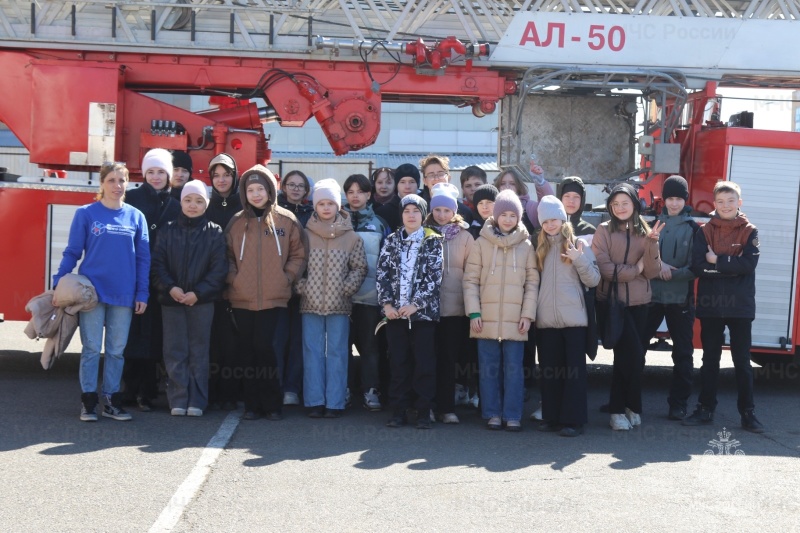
(271, 291)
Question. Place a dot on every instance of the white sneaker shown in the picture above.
(620, 422)
(372, 400)
(634, 418)
(450, 418)
(194, 411)
(178, 411)
(537, 414)
(291, 398)
(462, 395)
(432, 416)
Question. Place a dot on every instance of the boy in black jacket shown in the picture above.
(724, 258)
(189, 270)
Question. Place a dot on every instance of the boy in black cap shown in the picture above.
(672, 291)
(483, 199)
(572, 193)
(407, 178)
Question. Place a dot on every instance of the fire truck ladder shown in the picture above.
(251, 27)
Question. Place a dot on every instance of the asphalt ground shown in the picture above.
(217, 473)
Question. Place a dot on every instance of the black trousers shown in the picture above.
(680, 322)
(144, 353)
(413, 364)
(452, 334)
(712, 335)
(562, 363)
(259, 370)
(626, 377)
(363, 320)
(224, 384)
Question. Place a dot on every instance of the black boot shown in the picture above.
(89, 401)
(751, 423)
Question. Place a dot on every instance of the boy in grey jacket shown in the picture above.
(673, 291)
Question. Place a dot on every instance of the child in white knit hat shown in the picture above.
(189, 270)
(337, 265)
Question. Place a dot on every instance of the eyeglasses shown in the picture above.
(295, 186)
(436, 175)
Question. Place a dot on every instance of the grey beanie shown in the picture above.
(551, 207)
(418, 201)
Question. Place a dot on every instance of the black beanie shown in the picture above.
(484, 192)
(572, 184)
(625, 188)
(675, 186)
(182, 159)
(406, 169)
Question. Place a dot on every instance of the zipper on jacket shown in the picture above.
(502, 296)
(258, 268)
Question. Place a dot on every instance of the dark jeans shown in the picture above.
(680, 321)
(289, 347)
(452, 334)
(626, 377)
(224, 384)
(259, 370)
(712, 335)
(562, 362)
(363, 320)
(413, 364)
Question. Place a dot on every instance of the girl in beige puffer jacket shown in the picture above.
(566, 265)
(501, 284)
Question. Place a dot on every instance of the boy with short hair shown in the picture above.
(725, 256)
(366, 315)
(471, 178)
(436, 169)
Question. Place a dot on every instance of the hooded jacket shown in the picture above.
(222, 208)
(580, 226)
(337, 265)
(302, 212)
(190, 254)
(609, 249)
(427, 281)
(561, 302)
(501, 283)
(372, 229)
(261, 248)
(726, 289)
(675, 246)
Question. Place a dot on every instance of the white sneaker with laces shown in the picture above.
(372, 400)
(178, 411)
(194, 411)
(634, 418)
(620, 422)
(291, 398)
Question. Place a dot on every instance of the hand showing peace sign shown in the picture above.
(656, 231)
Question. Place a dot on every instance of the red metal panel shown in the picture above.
(24, 244)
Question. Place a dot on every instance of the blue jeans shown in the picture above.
(501, 378)
(116, 320)
(325, 347)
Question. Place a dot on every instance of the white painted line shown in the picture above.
(186, 492)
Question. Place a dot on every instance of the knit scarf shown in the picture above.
(449, 230)
(728, 237)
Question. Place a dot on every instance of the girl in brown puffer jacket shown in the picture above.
(627, 247)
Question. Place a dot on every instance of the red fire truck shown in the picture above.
(77, 77)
